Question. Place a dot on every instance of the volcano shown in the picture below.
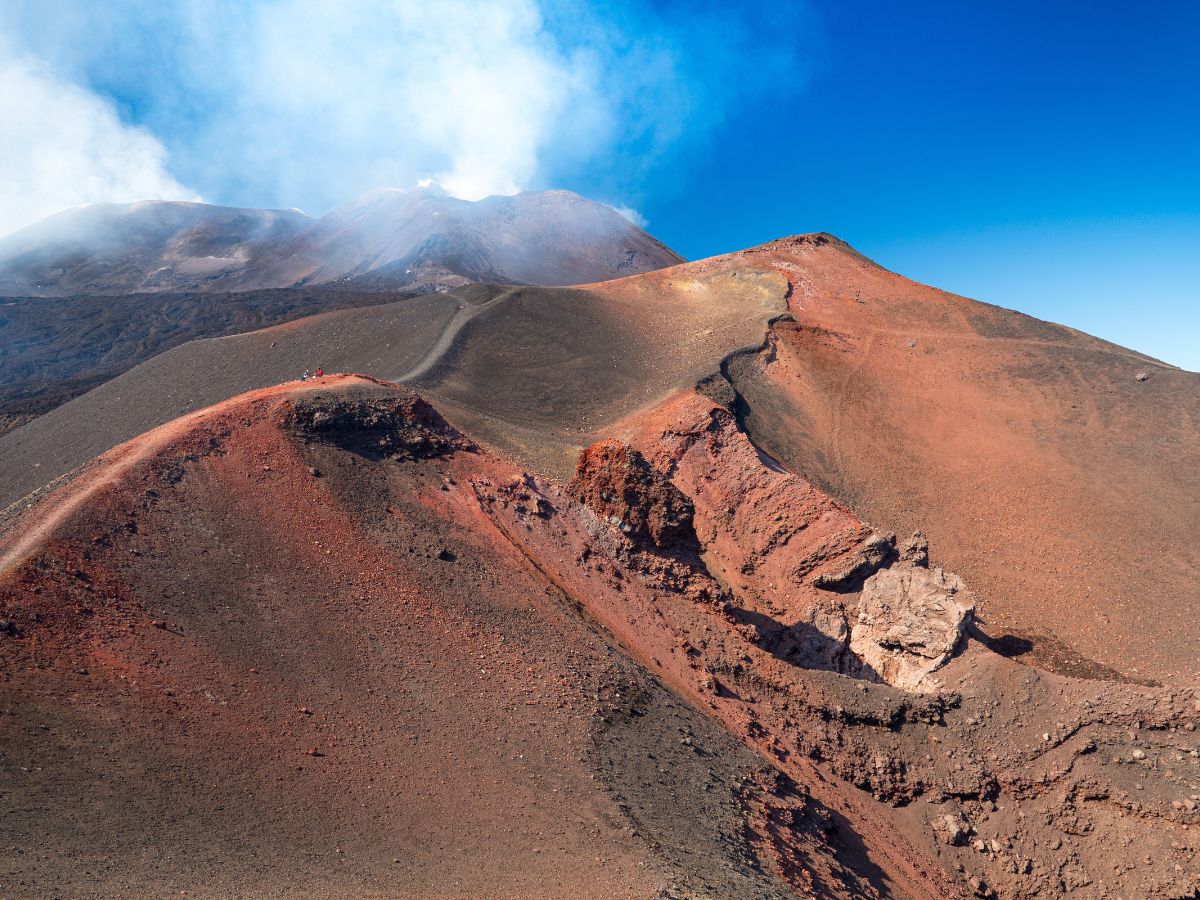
(385, 240)
(98, 289)
(772, 574)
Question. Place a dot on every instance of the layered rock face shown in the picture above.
(615, 481)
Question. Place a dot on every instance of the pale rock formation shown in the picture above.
(910, 620)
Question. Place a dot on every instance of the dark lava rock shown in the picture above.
(400, 427)
(875, 552)
(916, 551)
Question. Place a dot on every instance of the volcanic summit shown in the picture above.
(421, 239)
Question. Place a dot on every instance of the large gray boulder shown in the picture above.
(910, 620)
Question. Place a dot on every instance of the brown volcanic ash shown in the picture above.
(201, 373)
(561, 361)
(135, 280)
(54, 351)
(889, 749)
(317, 630)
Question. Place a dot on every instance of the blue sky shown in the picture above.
(1043, 156)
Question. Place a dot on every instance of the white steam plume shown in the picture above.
(307, 103)
(378, 93)
(61, 145)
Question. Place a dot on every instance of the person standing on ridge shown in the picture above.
(320, 372)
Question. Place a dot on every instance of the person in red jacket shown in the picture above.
(320, 372)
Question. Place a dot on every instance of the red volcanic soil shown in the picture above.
(256, 648)
(641, 616)
(1040, 466)
(316, 641)
(272, 690)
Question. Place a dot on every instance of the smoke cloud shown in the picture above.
(61, 145)
(310, 102)
(466, 93)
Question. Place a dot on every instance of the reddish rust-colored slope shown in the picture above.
(1042, 469)
(704, 664)
(282, 645)
(316, 639)
(221, 674)
(1053, 785)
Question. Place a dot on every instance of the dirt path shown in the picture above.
(465, 314)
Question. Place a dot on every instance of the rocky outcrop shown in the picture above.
(910, 620)
(916, 551)
(616, 483)
(401, 427)
(821, 639)
(875, 552)
(906, 622)
(813, 584)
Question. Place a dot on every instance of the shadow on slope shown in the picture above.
(55, 349)
(200, 373)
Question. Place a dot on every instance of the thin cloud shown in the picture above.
(308, 103)
(62, 145)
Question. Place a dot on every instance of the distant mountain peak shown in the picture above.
(418, 238)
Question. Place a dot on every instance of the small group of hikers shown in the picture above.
(307, 374)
